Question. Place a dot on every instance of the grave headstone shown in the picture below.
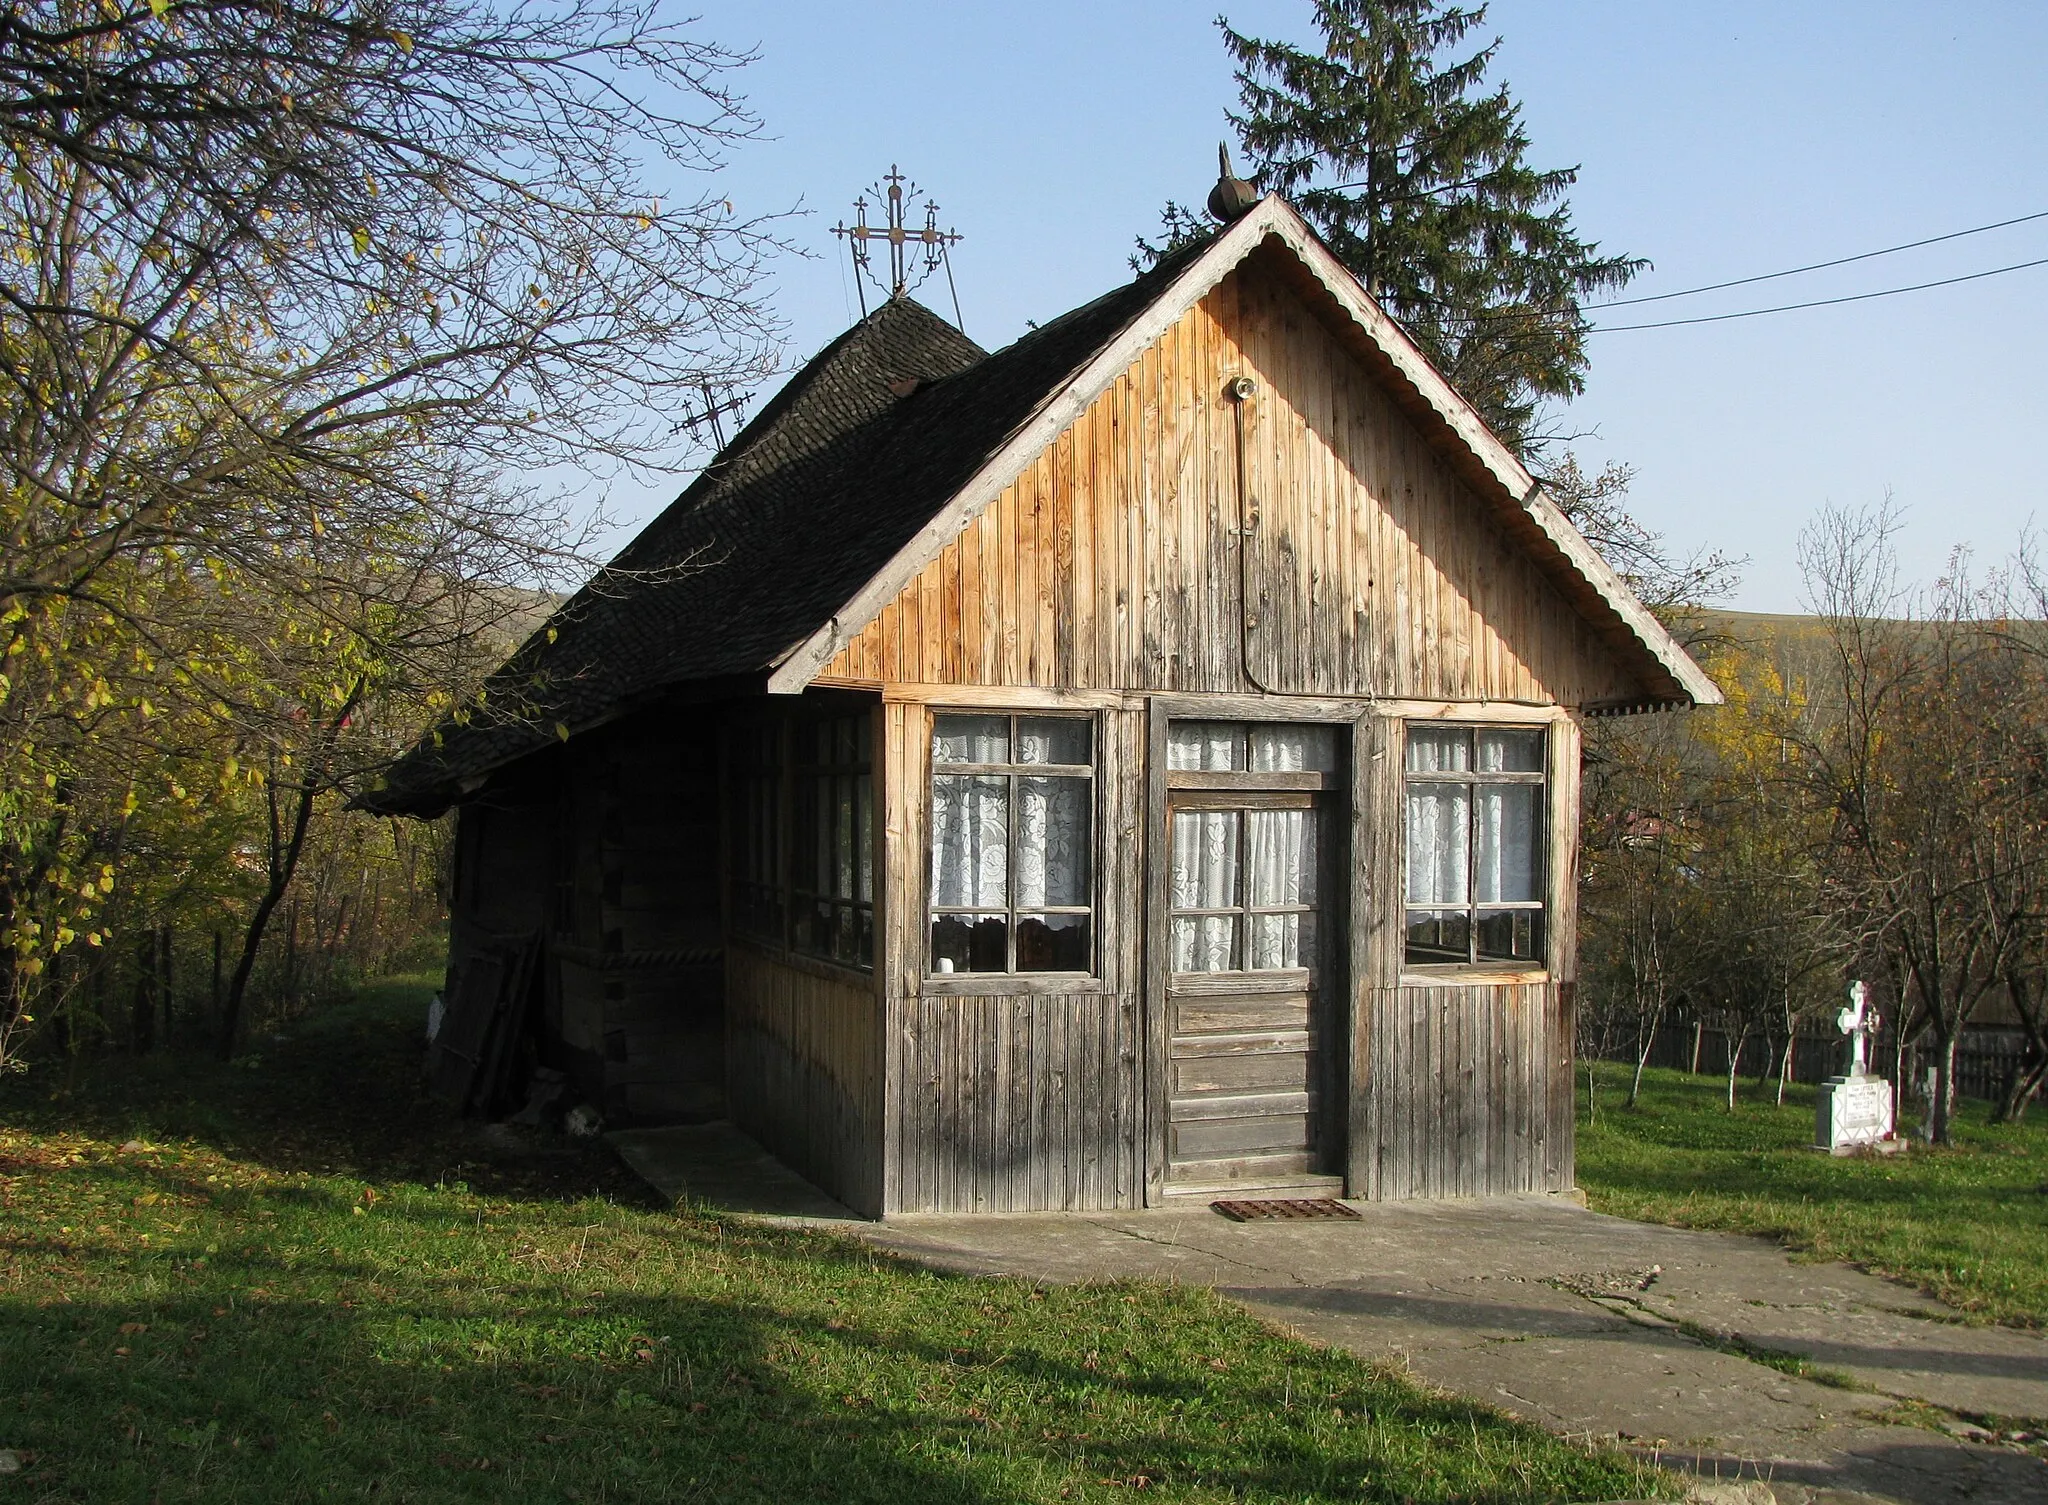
(1855, 1110)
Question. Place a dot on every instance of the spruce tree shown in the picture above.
(1417, 177)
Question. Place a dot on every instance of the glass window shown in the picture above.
(1234, 747)
(758, 900)
(1012, 859)
(1475, 837)
(804, 844)
(1244, 889)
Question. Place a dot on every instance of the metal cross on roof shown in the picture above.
(914, 253)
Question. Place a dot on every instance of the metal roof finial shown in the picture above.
(914, 253)
(1232, 197)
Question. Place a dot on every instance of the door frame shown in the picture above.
(1339, 825)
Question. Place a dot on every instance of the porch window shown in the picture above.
(1012, 871)
(832, 850)
(759, 903)
(1476, 814)
(803, 836)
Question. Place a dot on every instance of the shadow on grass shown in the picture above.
(224, 1313)
(340, 1094)
(216, 1390)
(286, 1400)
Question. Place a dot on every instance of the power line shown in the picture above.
(1785, 308)
(1840, 261)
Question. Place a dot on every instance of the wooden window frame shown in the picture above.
(1241, 800)
(1010, 979)
(1476, 968)
(802, 773)
(785, 778)
(747, 771)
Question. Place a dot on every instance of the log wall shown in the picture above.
(607, 849)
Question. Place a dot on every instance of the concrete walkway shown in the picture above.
(1582, 1323)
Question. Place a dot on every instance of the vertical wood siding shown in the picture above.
(1112, 561)
(1004, 1102)
(804, 1071)
(1467, 1093)
(1015, 1103)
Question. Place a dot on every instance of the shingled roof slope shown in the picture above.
(814, 496)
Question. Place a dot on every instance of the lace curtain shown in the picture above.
(971, 842)
(1259, 864)
(1472, 843)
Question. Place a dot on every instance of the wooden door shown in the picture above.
(1248, 1058)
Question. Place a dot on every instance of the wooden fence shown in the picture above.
(1985, 1060)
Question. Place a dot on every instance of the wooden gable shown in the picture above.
(1112, 561)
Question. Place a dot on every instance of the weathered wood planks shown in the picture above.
(1369, 566)
(804, 1069)
(1466, 1088)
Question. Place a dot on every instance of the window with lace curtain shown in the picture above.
(1012, 827)
(1476, 815)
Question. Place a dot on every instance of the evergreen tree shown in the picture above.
(1419, 182)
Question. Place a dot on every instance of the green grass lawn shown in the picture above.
(295, 1280)
(1968, 1223)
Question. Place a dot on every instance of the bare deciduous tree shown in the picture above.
(297, 299)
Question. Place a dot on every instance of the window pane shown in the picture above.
(1205, 861)
(1511, 935)
(970, 739)
(809, 830)
(1439, 936)
(1052, 943)
(1511, 752)
(845, 817)
(1436, 749)
(1052, 842)
(970, 840)
(1439, 829)
(1205, 943)
(1507, 867)
(814, 927)
(1294, 749)
(1213, 745)
(1053, 739)
(969, 943)
(1282, 861)
(846, 739)
(1280, 941)
(864, 835)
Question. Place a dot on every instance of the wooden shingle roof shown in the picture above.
(826, 485)
(881, 449)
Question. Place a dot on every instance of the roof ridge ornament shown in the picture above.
(914, 252)
(1232, 198)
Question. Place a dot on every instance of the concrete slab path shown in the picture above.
(1594, 1325)
(1585, 1324)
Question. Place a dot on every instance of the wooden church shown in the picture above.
(1138, 763)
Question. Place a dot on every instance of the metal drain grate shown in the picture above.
(1279, 1208)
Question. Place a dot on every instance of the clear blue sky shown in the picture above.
(1718, 140)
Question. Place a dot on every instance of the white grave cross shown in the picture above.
(1854, 1110)
(1857, 1022)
